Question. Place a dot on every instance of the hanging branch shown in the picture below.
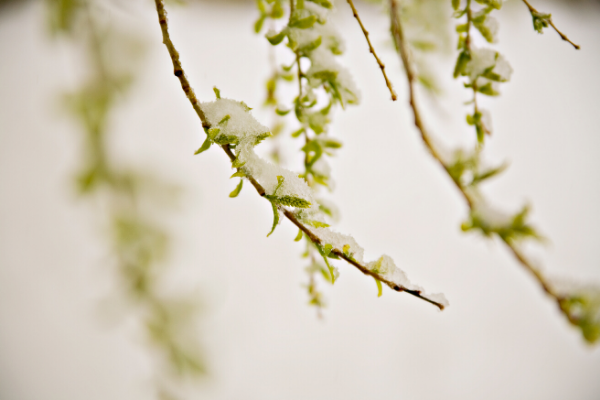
(372, 51)
(541, 20)
(401, 45)
(180, 74)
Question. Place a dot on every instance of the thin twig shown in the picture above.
(562, 35)
(398, 36)
(177, 69)
(410, 77)
(185, 85)
(372, 51)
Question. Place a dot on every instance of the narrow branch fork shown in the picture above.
(372, 51)
(189, 92)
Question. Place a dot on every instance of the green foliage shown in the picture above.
(323, 3)
(491, 4)
(237, 189)
(205, 146)
(63, 14)
(508, 229)
(583, 310)
(475, 120)
(481, 78)
(540, 20)
(379, 287)
(479, 21)
(275, 218)
(467, 170)
(461, 63)
(286, 200)
(325, 252)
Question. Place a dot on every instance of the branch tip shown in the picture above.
(372, 50)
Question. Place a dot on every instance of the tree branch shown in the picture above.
(564, 37)
(185, 85)
(401, 45)
(372, 51)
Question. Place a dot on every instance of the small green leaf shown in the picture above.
(462, 28)
(277, 38)
(323, 3)
(303, 23)
(262, 137)
(298, 132)
(237, 163)
(487, 174)
(260, 4)
(332, 143)
(205, 146)
(540, 20)
(275, 218)
(217, 92)
(280, 180)
(213, 132)
(379, 287)
(313, 150)
(281, 112)
(277, 10)
(480, 130)
(239, 174)
(497, 4)
(455, 4)
(346, 250)
(316, 224)
(311, 46)
(298, 236)
(332, 270)
(484, 30)
(237, 190)
(423, 45)
(582, 309)
(461, 63)
(226, 139)
(290, 201)
(259, 23)
(225, 119)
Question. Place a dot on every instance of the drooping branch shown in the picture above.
(177, 68)
(372, 51)
(401, 45)
(180, 74)
(546, 17)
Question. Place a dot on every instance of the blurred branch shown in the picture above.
(562, 300)
(372, 50)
